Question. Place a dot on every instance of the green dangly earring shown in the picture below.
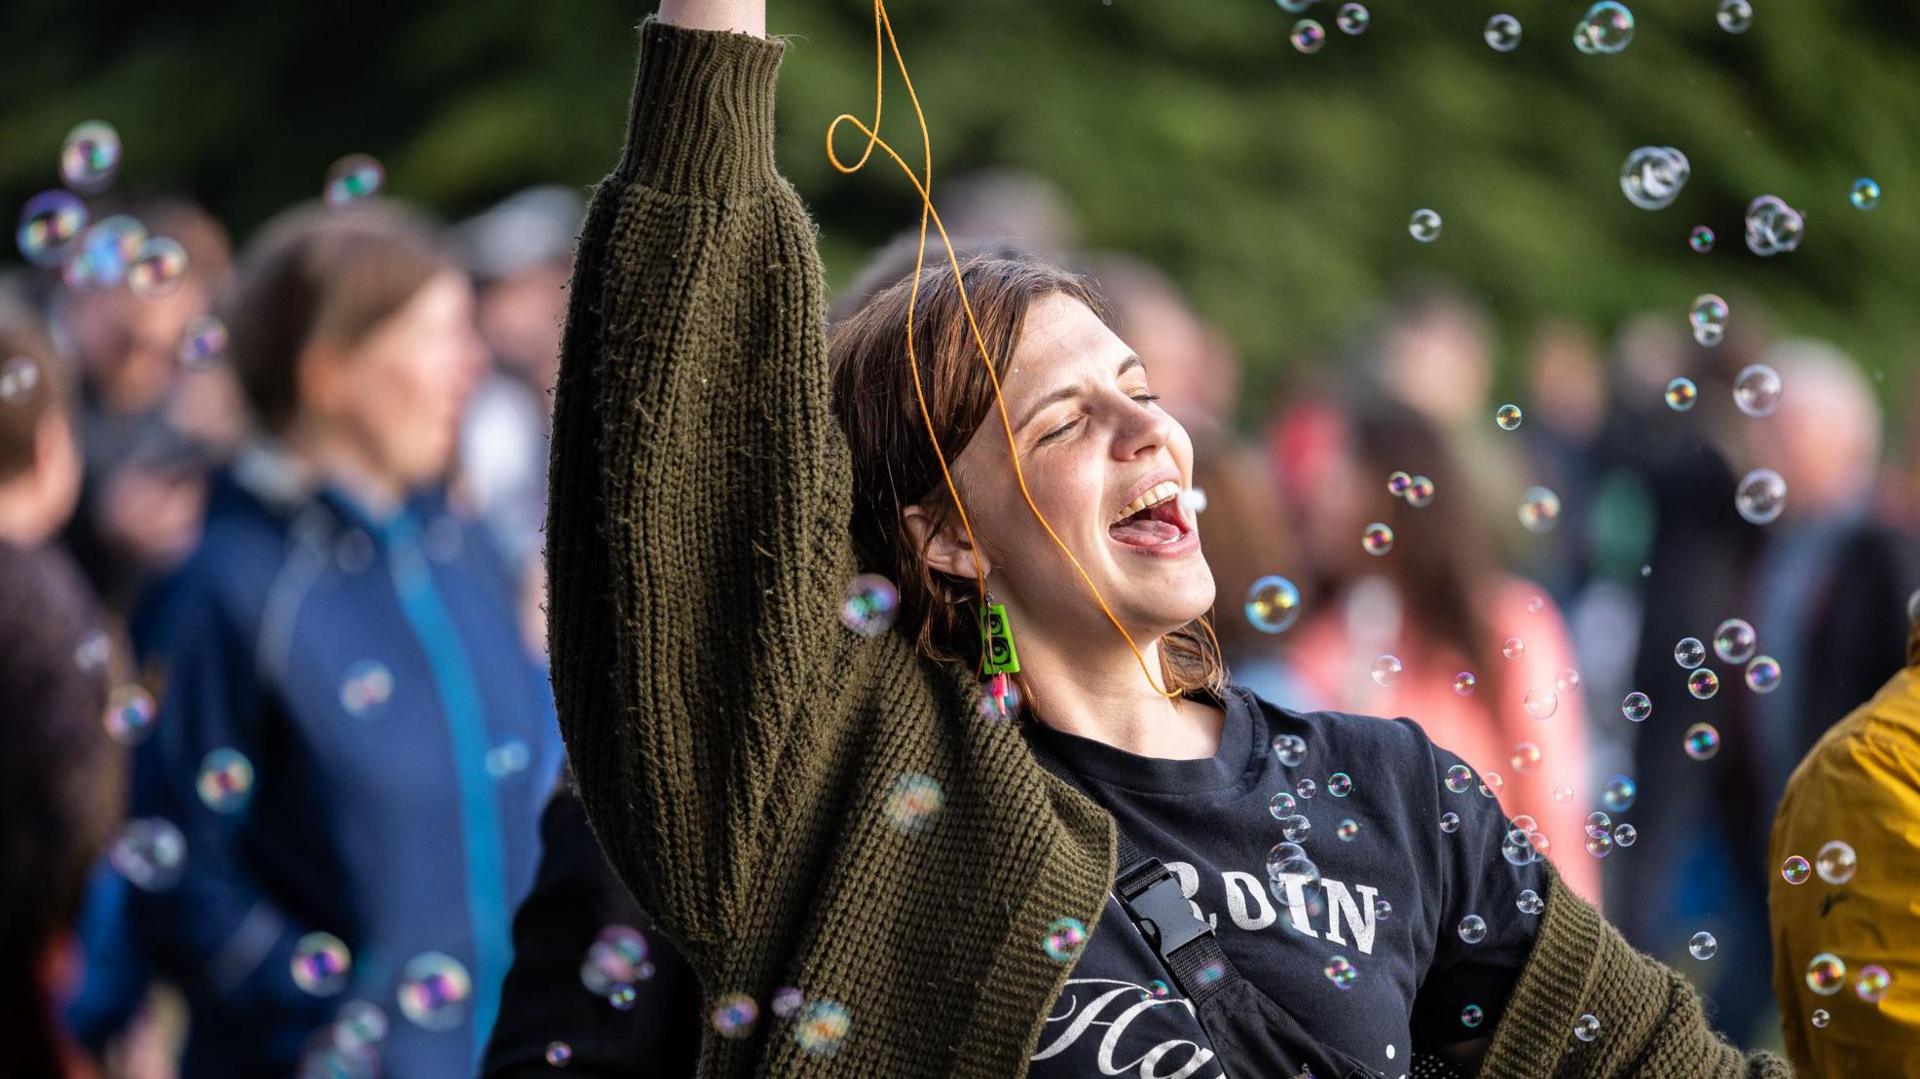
(996, 640)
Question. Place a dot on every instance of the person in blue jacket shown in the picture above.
(355, 736)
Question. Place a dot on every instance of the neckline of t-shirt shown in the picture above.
(1237, 756)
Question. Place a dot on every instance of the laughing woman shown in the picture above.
(866, 859)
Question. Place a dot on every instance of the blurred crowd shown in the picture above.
(280, 525)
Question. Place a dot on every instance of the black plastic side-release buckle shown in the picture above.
(1152, 897)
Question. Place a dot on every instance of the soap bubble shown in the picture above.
(104, 252)
(1735, 16)
(1871, 983)
(1502, 33)
(1464, 683)
(1064, 938)
(1397, 483)
(1653, 176)
(1473, 929)
(1619, 793)
(1625, 835)
(321, 964)
(1542, 703)
(158, 269)
(1756, 389)
(1347, 829)
(1353, 19)
(1539, 510)
(1689, 653)
(225, 781)
(1471, 1016)
(1607, 28)
(1865, 194)
(1563, 794)
(1296, 828)
(1289, 858)
(1702, 741)
(1826, 974)
(1763, 674)
(559, 1054)
(821, 1027)
(1700, 239)
(1377, 539)
(90, 157)
(1734, 641)
(1491, 784)
(1567, 681)
(49, 223)
(1703, 684)
(1386, 671)
(1459, 778)
(435, 990)
(353, 178)
(1525, 758)
(1340, 972)
(359, 1024)
(130, 714)
(1636, 707)
(1290, 749)
(1273, 604)
(1381, 908)
(1508, 416)
(1424, 226)
(1836, 862)
(1450, 821)
(734, 1015)
(1513, 648)
(1821, 1018)
(1308, 35)
(366, 687)
(1305, 788)
(1703, 946)
(1599, 844)
(868, 603)
(1529, 901)
(1420, 492)
(1587, 1027)
(1518, 849)
(1682, 394)
(617, 956)
(786, 1001)
(1762, 496)
(1295, 7)
(914, 801)
(1709, 318)
(1339, 784)
(1795, 870)
(1281, 805)
(150, 852)
(204, 340)
(1773, 227)
(1193, 500)
(1598, 821)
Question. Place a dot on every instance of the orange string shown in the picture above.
(883, 26)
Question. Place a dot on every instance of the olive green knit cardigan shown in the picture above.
(735, 745)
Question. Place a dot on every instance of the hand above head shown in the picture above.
(739, 16)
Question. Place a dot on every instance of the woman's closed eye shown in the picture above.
(1063, 429)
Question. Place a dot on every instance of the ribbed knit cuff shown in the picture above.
(702, 120)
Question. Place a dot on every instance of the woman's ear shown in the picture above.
(946, 549)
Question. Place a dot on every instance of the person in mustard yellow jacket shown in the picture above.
(1845, 917)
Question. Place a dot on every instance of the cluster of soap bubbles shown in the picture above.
(1773, 227)
(1653, 176)
(1307, 35)
(615, 962)
(914, 801)
(1340, 971)
(54, 231)
(1417, 491)
(348, 1047)
(1607, 28)
(1273, 604)
(1524, 843)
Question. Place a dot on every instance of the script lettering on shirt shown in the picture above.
(1249, 907)
(1127, 1001)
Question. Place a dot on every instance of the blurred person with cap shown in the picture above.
(353, 738)
(520, 254)
(1843, 854)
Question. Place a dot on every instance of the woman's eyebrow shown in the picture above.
(1073, 390)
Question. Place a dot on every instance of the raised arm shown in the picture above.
(697, 531)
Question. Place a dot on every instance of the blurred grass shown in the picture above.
(1275, 186)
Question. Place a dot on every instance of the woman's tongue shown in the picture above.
(1143, 529)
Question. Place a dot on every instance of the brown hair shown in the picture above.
(319, 274)
(39, 387)
(894, 465)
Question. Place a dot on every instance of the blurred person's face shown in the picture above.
(1824, 440)
(1565, 382)
(1084, 458)
(1329, 499)
(398, 394)
(128, 345)
(521, 318)
(1187, 372)
(1439, 365)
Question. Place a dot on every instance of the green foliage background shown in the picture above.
(1275, 186)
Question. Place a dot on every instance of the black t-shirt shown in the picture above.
(1370, 959)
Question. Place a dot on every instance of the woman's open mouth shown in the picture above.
(1161, 529)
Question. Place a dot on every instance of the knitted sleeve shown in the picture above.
(1644, 1019)
(697, 527)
